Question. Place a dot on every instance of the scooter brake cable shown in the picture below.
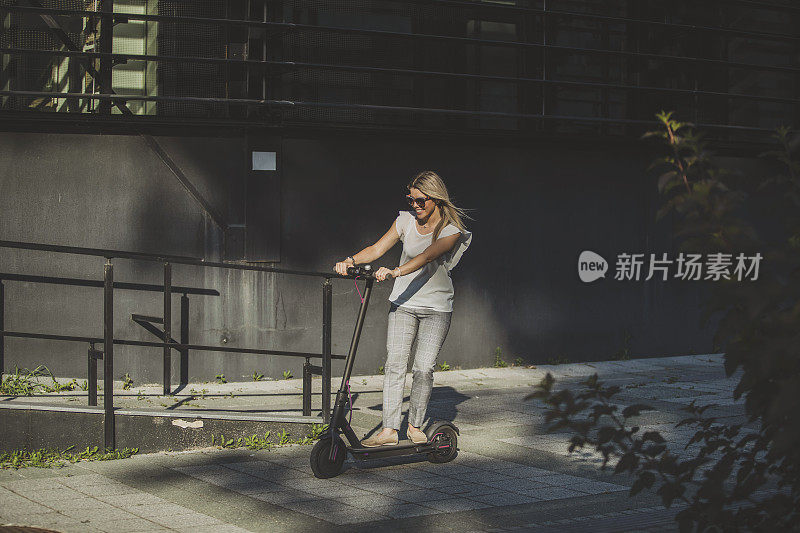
(359, 292)
(347, 383)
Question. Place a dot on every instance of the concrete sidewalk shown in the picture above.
(509, 475)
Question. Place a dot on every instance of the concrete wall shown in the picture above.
(536, 207)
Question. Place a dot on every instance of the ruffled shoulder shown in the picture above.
(405, 216)
(461, 245)
(401, 223)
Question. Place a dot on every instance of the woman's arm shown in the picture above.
(376, 251)
(441, 246)
(370, 253)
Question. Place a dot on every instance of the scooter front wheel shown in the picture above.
(446, 445)
(321, 464)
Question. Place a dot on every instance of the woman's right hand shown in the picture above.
(341, 266)
(384, 273)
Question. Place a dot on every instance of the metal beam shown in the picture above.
(293, 65)
(96, 283)
(184, 180)
(125, 17)
(175, 259)
(290, 103)
(106, 42)
(175, 345)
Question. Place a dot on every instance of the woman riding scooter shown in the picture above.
(421, 302)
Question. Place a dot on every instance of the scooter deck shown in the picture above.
(404, 444)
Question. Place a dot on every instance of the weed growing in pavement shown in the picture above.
(258, 376)
(256, 442)
(283, 437)
(48, 458)
(220, 378)
(624, 353)
(22, 382)
(380, 370)
(287, 374)
(19, 383)
(444, 366)
(201, 392)
(498, 362)
(318, 430)
(61, 387)
(127, 382)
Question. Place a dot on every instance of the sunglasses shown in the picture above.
(418, 201)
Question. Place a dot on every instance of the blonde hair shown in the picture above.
(430, 184)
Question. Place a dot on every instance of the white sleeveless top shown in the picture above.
(429, 287)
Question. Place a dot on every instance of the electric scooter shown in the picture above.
(329, 453)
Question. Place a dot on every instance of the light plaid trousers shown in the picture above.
(430, 329)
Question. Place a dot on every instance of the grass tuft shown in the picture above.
(24, 382)
(256, 442)
(48, 458)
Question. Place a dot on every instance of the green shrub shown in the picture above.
(758, 331)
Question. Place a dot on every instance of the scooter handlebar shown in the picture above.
(363, 271)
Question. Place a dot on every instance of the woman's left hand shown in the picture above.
(383, 273)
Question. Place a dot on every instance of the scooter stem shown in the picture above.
(351, 356)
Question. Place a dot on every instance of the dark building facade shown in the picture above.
(283, 133)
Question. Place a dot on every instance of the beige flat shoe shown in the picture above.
(377, 440)
(417, 436)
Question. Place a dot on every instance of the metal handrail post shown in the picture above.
(92, 374)
(2, 328)
(184, 339)
(307, 388)
(327, 301)
(108, 356)
(167, 327)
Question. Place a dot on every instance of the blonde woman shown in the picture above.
(421, 302)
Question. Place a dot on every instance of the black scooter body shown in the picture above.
(328, 454)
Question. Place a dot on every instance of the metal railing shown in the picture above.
(167, 343)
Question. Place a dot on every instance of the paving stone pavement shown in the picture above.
(509, 475)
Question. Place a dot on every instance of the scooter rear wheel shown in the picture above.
(446, 446)
(321, 464)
